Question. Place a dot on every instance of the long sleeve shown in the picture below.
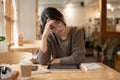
(44, 58)
(78, 49)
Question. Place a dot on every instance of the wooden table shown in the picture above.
(27, 47)
(28, 44)
(107, 74)
(14, 57)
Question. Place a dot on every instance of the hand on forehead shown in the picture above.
(50, 21)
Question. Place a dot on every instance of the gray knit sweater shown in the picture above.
(70, 51)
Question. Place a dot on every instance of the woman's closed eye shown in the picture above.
(54, 24)
(52, 27)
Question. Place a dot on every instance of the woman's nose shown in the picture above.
(57, 27)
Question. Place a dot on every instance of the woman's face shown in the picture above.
(58, 27)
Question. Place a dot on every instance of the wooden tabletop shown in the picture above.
(106, 74)
(26, 46)
(14, 57)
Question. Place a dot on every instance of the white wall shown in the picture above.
(74, 14)
(27, 17)
(91, 13)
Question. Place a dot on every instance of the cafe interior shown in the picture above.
(20, 34)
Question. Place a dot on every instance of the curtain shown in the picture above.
(15, 4)
(3, 44)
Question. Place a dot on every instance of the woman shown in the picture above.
(65, 44)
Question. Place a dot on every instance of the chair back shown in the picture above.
(14, 57)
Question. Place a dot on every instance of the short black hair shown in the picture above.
(51, 13)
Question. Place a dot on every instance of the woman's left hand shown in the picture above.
(55, 61)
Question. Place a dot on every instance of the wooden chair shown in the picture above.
(14, 57)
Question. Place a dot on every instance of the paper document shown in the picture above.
(40, 70)
(91, 66)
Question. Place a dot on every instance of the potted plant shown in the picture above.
(2, 38)
(100, 47)
(113, 48)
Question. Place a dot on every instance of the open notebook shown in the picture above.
(41, 69)
(91, 66)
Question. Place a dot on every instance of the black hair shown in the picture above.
(51, 13)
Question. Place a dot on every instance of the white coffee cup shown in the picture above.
(26, 68)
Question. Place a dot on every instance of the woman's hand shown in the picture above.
(55, 61)
(49, 23)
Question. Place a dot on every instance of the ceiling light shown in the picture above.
(112, 9)
(98, 13)
(109, 6)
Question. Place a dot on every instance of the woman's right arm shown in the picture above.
(43, 46)
(44, 53)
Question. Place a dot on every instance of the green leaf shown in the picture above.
(110, 53)
(114, 42)
(2, 38)
(105, 44)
